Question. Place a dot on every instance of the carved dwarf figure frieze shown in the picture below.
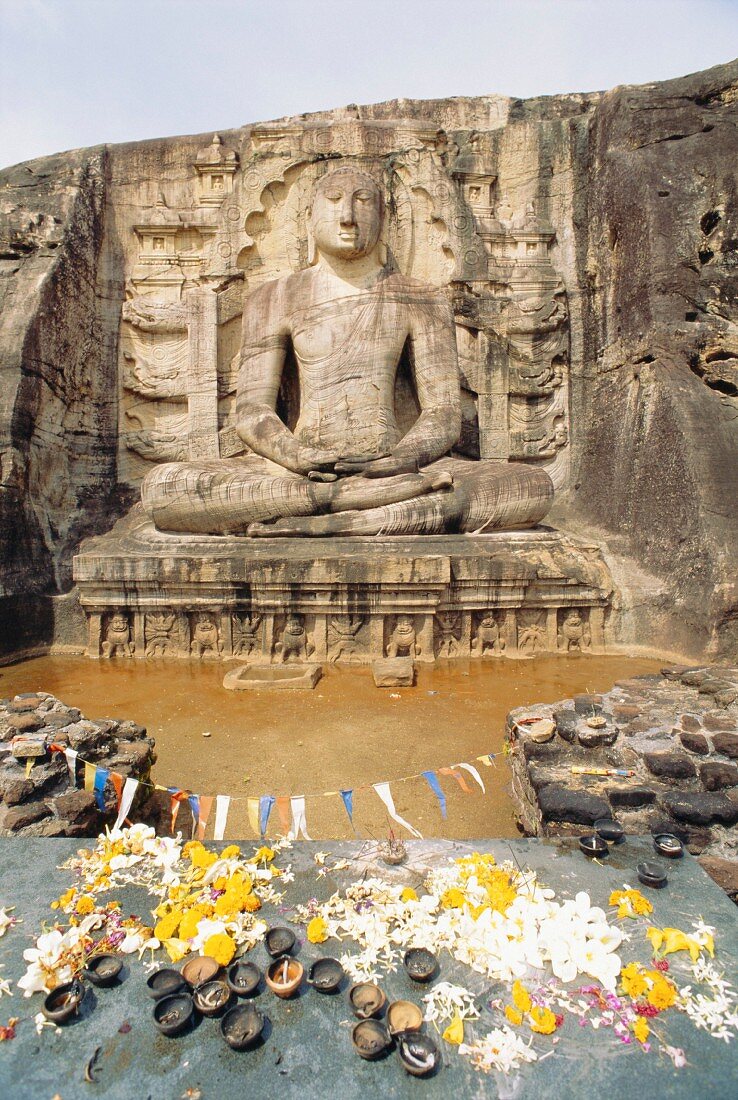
(159, 631)
(574, 632)
(246, 634)
(488, 640)
(532, 638)
(342, 637)
(117, 640)
(447, 644)
(293, 643)
(403, 639)
(205, 635)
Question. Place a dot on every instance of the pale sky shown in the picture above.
(82, 72)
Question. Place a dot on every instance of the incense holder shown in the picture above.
(242, 1027)
(103, 970)
(420, 964)
(325, 975)
(284, 975)
(366, 1000)
(165, 983)
(173, 1014)
(418, 1053)
(279, 941)
(64, 1001)
(371, 1039)
(243, 978)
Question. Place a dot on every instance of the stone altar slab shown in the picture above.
(150, 594)
(308, 1052)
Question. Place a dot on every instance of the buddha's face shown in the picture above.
(346, 218)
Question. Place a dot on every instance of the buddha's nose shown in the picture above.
(347, 211)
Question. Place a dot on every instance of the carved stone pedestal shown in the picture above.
(147, 594)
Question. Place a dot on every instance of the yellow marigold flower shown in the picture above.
(633, 981)
(165, 928)
(227, 906)
(453, 898)
(251, 903)
(641, 905)
(544, 1020)
(641, 1030)
(220, 883)
(176, 949)
(454, 1033)
(190, 847)
(408, 894)
(189, 923)
(65, 900)
(85, 906)
(230, 852)
(662, 993)
(221, 947)
(202, 858)
(521, 997)
(262, 853)
(317, 930)
(514, 1016)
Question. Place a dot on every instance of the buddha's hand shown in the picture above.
(315, 459)
(386, 466)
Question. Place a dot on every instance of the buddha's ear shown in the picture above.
(382, 253)
(312, 252)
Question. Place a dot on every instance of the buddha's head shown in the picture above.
(347, 212)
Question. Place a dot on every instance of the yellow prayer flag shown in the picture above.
(252, 806)
(90, 770)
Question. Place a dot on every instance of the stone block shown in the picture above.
(702, 809)
(272, 678)
(590, 738)
(673, 765)
(695, 742)
(16, 791)
(534, 750)
(393, 672)
(626, 711)
(77, 807)
(24, 703)
(717, 723)
(26, 749)
(727, 744)
(566, 723)
(25, 723)
(630, 797)
(724, 872)
(19, 817)
(690, 722)
(579, 807)
(588, 704)
(716, 775)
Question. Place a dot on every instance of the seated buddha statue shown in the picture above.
(347, 467)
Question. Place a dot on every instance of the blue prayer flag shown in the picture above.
(435, 786)
(265, 808)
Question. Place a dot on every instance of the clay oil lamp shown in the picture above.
(103, 970)
(64, 1001)
(212, 998)
(650, 874)
(243, 978)
(418, 1053)
(325, 975)
(403, 1016)
(242, 1027)
(609, 830)
(371, 1039)
(366, 1000)
(666, 844)
(420, 964)
(279, 941)
(593, 846)
(201, 968)
(173, 1014)
(165, 983)
(284, 975)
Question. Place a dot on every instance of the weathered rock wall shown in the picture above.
(640, 187)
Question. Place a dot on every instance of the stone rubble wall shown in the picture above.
(678, 734)
(45, 802)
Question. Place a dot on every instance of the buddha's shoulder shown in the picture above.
(414, 289)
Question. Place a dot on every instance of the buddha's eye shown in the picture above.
(333, 196)
(364, 196)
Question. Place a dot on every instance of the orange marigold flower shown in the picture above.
(521, 997)
(221, 947)
(544, 1020)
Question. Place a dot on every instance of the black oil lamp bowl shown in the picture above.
(103, 970)
(63, 1002)
(244, 978)
(173, 1014)
(421, 964)
(366, 1000)
(165, 983)
(242, 1026)
(650, 874)
(610, 830)
(666, 844)
(325, 975)
(212, 998)
(279, 941)
(371, 1039)
(593, 846)
(418, 1053)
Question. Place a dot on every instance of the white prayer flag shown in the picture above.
(299, 821)
(71, 757)
(472, 771)
(222, 804)
(383, 790)
(129, 790)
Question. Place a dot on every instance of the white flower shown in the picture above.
(41, 1022)
(46, 968)
(7, 921)
(676, 1054)
(501, 1049)
(446, 1001)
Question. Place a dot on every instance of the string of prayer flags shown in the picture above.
(222, 804)
(347, 798)
(383, 790)
(299, 821)
(252, 810)
(488, 759)
(70, 756)
(432, 780)
(101, 778)
(206, 805)
(474, 773)
(265, 808)
(129, 790)
(457, 776)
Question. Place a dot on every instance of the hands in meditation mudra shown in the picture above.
(347, 469)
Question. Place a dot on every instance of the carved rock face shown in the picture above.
(347, 214)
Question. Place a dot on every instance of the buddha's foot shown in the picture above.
(442, 480)
(281, 528)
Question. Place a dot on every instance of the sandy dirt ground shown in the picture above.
(344, 734)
